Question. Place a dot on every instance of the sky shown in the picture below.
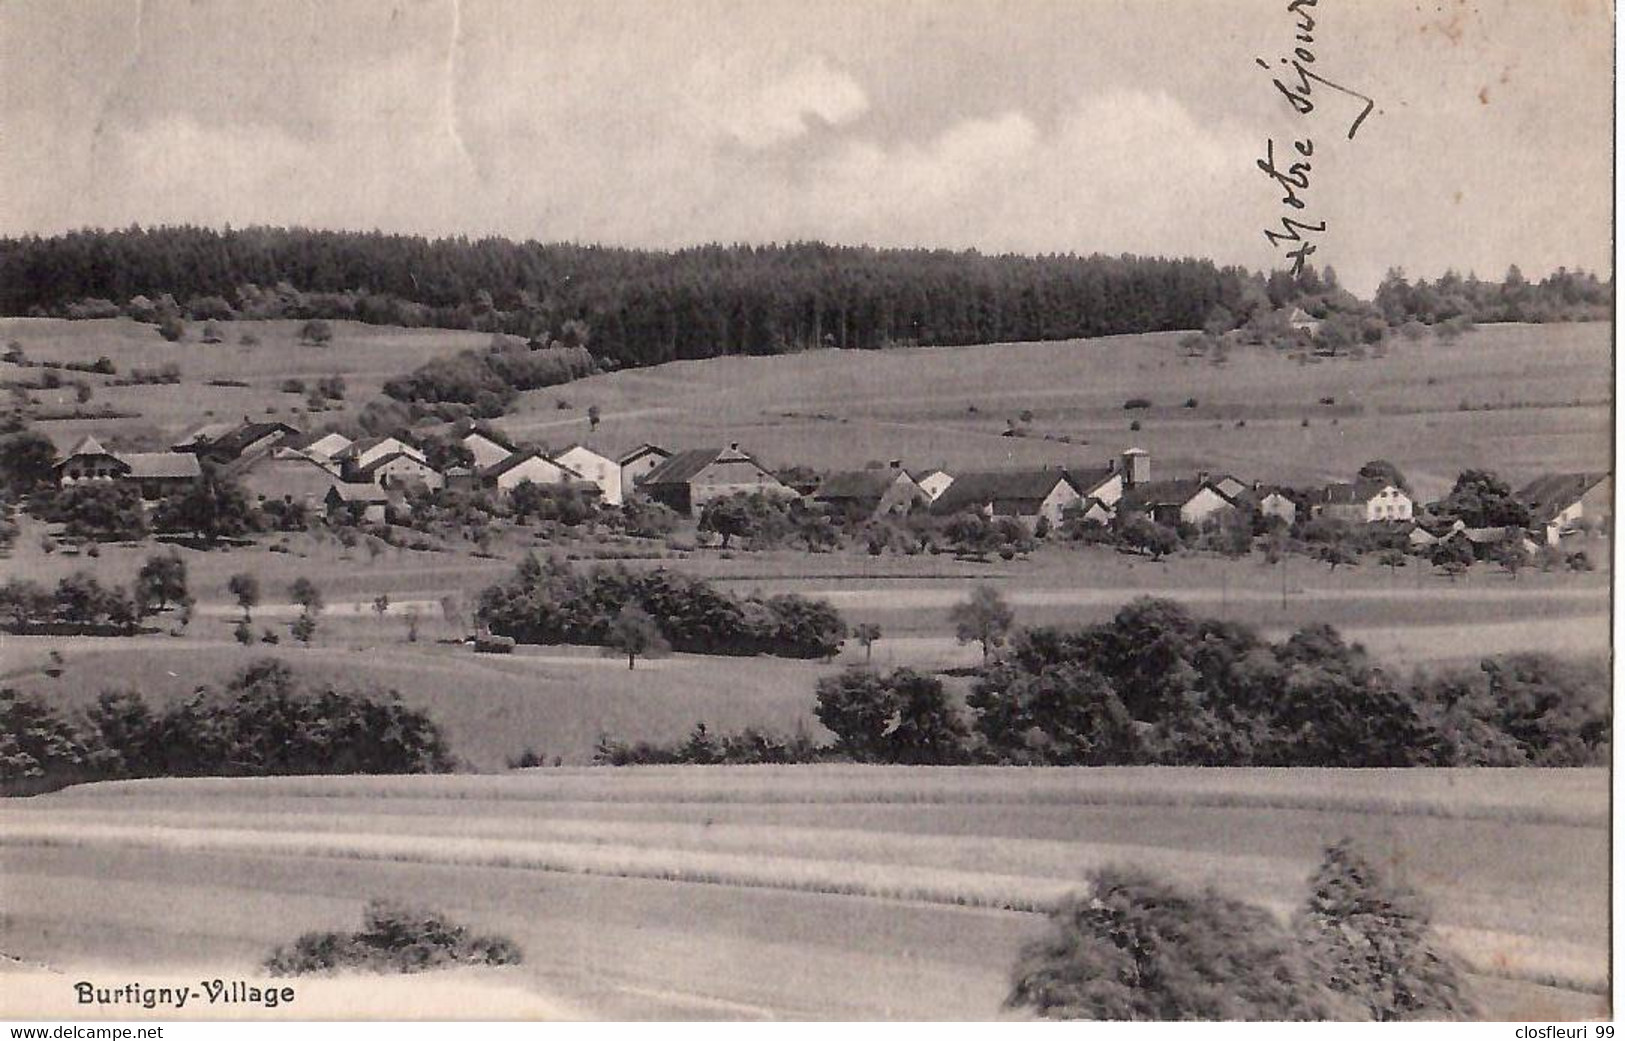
(1003, 125)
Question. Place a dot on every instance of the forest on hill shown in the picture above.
(643, 307)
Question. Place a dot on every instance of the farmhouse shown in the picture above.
(1104, 485)
(486, 446)
(1275, 502)
(290, 476)
(399, 470)
(690, 479)
(1363, 502)
(89, 461)
(1024, 494)
(160, 474)
(370, 449)
(365, 502)
(235, 445)
(639, 463)
(876, 492)
(1191, 501)
(529, 465)
(1559, 502)
(325, 446)
(934, 482)
(596, 467)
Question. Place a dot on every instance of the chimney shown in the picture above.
(733, 446)
(1111, 465)
(896, 464)
(1201, 476)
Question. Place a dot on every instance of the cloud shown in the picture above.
(723, 93)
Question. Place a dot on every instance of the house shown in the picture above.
(161, 474)
(400, 469)
(1104, 485)
(1272, 501)
(1363, 502)
(1193, 501)
(290, 476)
(462, 479)
(1558, 502)
(639, 463)
(370, 449)
(596, 467)
(690, 479)
(529, 465)
(1487, 542)
(325, 446)
(875, 492)
(1303, 322)
(89, 461)
(235, 445)
(1027, 495)
(365, 502)
(934, 482)
(486, 446)
(1092, 509)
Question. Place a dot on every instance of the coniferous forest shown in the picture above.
(643, 307)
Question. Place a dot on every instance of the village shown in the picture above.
(378, 479)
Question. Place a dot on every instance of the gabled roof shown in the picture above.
(518, 459)
(1356, 494)
(1551, 494)
(859, 485)
(384, 460)
(245, 434)
(357, 449)
(351, 492)
(685, 466)
(1152, 494)
(1008, 488)
(1086, 481)
(607, 457)
(206, 434)
(642, 450)
(88, 445)
(178, 465)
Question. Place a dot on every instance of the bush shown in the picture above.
(1370, 941)
(172, 329)
(393, 938)
(1136, 403)
(1134, 948)
(903, 717)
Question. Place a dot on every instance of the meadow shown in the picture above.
(761, 892)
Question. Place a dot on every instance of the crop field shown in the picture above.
(762, 892)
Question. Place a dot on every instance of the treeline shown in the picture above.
(1563, 296)
(488, 381)
(548, 603)
(642, 306)
(263, 723)
(1158, 685)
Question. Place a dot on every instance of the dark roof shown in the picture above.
(860, 485)
(641, 450)
(359, 448)
(518, 458)
(1087, 481)
(372, 467)
(162, 464)
(1151, 494)
(1356, 494)
(244, 435)
(1002, 488)
(350, 492)
(1551, 494)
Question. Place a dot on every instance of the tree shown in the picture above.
(245, 588)
(215, 506)
(316, 331)
(304, 595)
(160, 582)
(380, 605)
(1372, 942)
(985, 618)
(1453, 556)
(27, 461)
(1144, 535)
(635, 633)
(1384, 471)
(1334, 553)
(102, 510)
(904, 717)
(1132, 947)
(866, 634)
(594, 416)
(728, 517)
(1512, 556)
(1480, 499)
(24, 602)
(1392, 559)
(171, 328)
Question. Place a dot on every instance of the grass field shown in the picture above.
(1538, 399)
(792, 892)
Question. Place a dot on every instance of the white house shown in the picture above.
(596, 467)
(1559, 502)
(368, 450)
(639, 463)
(399, 469)
(530, 466)
(1364, 502)
(934, 482)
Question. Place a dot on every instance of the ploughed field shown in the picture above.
(788, 892)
